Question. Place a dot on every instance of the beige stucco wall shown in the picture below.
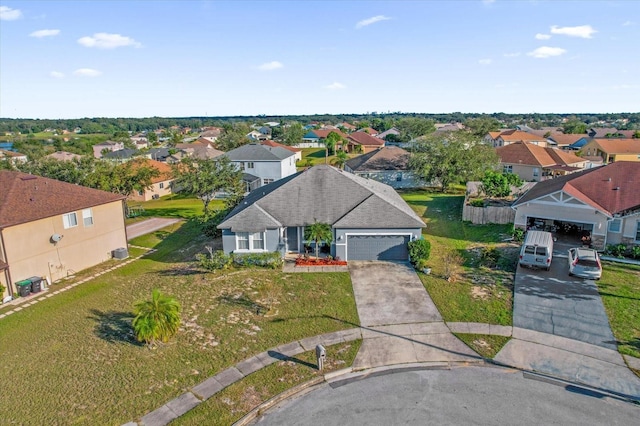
(525, 172)
(624, 157)
(31, 253)
(154, 189)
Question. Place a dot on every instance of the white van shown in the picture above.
(537, 250)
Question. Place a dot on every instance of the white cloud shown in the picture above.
(512, 55)
(56, 74)
(371, 20)
(582, 31)
(87, 72)
(543, 36)
(44, 33)
(108, 41)
(628, 23)
(488, 2)
(335, 86)
(484, 61)
(270, 66)
(547, 52)
(8, 14)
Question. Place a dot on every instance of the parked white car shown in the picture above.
(585, 263)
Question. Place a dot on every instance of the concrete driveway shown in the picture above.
(555, 303)
(400, 323)
(148, 226)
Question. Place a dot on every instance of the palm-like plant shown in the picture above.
(317, 232)
(157, 320)
(341, 158)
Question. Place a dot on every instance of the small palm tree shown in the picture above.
(341, 158)
(157, 320)
(317, 232)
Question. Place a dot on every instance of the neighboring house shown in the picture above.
(603, 202)
(64, 156)
(535, 163)
(121, 156)
(12, 156)
(195, 150)
(267, 163)
(346, 126)
(447, 127)
(507, 137)
(159, 154)
(369, 130)
(391, 131)
(255, 135)
(611, 150)
(601, 132)
(161, 185)
(389, 164)
(566, 141)
(369, 220)
(543, 131)
(297, 152)
(491, 138)
(316, 138)
(55, 229)
(107, 146)
(362, 142)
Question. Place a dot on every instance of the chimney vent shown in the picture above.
(617, 188)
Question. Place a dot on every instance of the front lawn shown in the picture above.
(72, 358)
(619, 288)
(175, 205)
(472, 267)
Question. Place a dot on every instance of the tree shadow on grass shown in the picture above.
(114, 327)
(180, 272)
(244, 302)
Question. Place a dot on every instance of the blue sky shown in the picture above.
(73, 59)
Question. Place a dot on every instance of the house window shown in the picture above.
(242, 240)
(638, 231)
(161, 185)
(250, 165)
(87, 217)
(140, 193)
(267, 181)
(69, 220)
(615, 226)
(242, 167)
(399, 177)
(536, 172)
(507, 168)
(258, 241)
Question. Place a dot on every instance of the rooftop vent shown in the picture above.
(617, 188)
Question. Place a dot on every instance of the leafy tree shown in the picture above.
(203, 178)
(152, 137)
(495, 184)
(574, 126)
(156, 320)
(317, 232)
(411, 128)
(340, 160)
(332, 140)
(293, 134)
(482, 125)
(451, 157)
(233, 136)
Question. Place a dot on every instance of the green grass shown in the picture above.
(316, 155)
(461, 286)
(72, 358)
(487, 346)
(234, 402)
(174, 206)
(620, 291)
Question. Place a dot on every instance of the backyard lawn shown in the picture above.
(472, 267)
(72, 358)
(315, 156)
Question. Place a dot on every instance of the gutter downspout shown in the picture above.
(7, 272)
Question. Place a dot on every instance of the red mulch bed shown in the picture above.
(319, 262)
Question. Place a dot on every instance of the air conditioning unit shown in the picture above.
(155, 196)
(120, 253)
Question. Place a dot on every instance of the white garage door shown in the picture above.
(377, 247)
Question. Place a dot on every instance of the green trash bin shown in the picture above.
(24, 287)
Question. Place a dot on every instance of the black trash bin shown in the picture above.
(36, 284)
(24, 287)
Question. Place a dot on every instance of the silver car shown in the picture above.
(585, 263)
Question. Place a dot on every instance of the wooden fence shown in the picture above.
(484, 215)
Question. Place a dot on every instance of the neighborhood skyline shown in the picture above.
(68, 59)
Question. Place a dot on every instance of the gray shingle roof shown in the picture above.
(324, 194)
(258, 152)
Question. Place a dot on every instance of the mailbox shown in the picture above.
(321, 355)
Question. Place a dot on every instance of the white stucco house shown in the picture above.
(262, 164)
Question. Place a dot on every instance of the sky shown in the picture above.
(76, 59)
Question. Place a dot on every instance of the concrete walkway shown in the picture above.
(400, 323)
(148, 226)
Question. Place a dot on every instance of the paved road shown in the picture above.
(148, 226)
(555, 303)
(471, 395)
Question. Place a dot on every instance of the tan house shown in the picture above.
(161, 185)
(362, 142)
(54, 229)
(612, 150)
(507, 137)
(64, 156)
(106, 146)
(12, 156)
(535, 163)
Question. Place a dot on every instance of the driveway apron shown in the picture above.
(400, 323)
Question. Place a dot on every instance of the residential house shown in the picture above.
(602, 203)
(121, 156)
(202, 151)
(316, 138)
(508, 137)
(161, 185)
(491, 138)
(262, 164)
(64, 156)
(297, 152)
(107, 146)
(389, 165)
(12, 156)
(255, 135)
(159, 154)
(566, 141)
(369, 130)
(535, 163)
(611, 150)
(362, 142)
(543, 131)
(392, 131)
(346, 126)
(601, 132)
(369, 220)
(448, 127)
(55, 229)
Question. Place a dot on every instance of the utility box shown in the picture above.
(24, 288)
(120, 253)
(36, 284)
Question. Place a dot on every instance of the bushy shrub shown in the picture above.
(489, 257)
(419, 250)
(210, 221)
(213, 261)
(271, 260)
(518, 235)
(617, 250)
(635, 252)
(477, 202)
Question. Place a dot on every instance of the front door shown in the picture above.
(292, 239)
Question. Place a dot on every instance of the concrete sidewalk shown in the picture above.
(148, 226)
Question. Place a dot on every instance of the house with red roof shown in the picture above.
(535, 163)
(507, 137)
(601, 202)
(161, 185)
(612, 150)
(54, 229)
(362, 142)
(296, 151)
